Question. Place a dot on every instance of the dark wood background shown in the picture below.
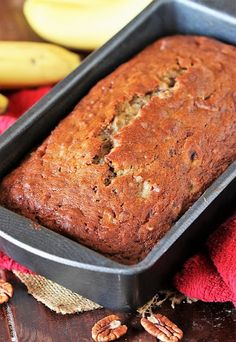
(23, 319)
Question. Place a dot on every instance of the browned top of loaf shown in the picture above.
(136, 151)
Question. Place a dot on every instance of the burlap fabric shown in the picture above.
(54, 296)
(64, 301)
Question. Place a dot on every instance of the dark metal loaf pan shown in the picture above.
(70, 264)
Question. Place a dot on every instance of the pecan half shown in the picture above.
(6, 291)
(108, 329)
(162, 328)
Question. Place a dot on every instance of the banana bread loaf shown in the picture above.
(136, 152)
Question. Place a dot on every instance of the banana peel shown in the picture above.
(80, 24)
(30, 64)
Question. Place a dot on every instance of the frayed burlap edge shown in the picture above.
(54, 296)
(64, 301)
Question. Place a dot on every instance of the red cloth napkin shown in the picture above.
(19, 102)
(209, 276)
(9, 264)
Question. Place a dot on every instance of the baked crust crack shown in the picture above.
(129, 111)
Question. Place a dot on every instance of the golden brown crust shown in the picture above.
(136, 151)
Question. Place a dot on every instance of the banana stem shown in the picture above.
(3, 103)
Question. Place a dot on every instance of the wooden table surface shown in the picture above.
(23, 319)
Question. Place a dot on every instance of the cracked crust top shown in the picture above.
(137, 151)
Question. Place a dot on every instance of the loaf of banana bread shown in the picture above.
(136, 152)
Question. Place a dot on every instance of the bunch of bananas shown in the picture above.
(80, 24)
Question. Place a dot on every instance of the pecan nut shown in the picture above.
(162, 328)
(6, 291)
(108, 329)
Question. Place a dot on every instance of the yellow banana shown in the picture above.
(3, 103)
(80, 24)
(84, 2)
(33, 64)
